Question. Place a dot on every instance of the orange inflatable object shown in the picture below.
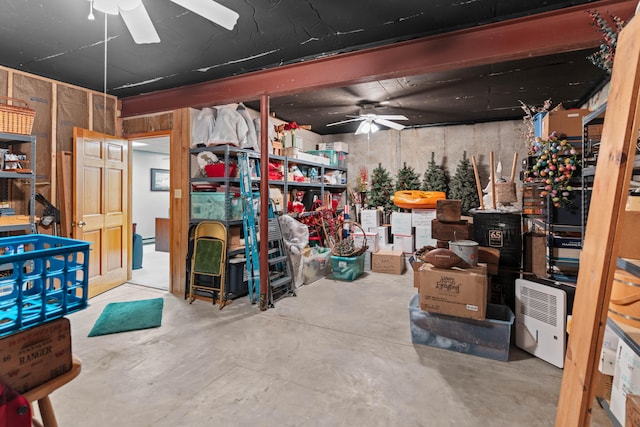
(416, 199)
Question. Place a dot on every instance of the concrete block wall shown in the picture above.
(392, 148)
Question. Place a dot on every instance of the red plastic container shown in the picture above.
(217, 170)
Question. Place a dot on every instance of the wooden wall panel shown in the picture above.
(104, 114)
(72, 111)
(38, 94)
(146, 124)
(4, 82)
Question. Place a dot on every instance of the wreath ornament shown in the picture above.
(555, 165)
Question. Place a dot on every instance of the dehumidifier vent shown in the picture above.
(541, 319)
(539, 305)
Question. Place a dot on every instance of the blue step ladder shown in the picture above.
(249, 227)
(280, 277)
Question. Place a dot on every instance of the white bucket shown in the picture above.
(465, 249)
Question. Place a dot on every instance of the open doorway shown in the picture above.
(150, 168)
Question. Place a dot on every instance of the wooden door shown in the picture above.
(100, 206)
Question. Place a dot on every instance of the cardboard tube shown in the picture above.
(478, 187)
(493, 180)
(513, 167)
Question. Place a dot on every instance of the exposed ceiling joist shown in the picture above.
(559, 31)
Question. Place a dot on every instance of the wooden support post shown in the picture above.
(602, 237)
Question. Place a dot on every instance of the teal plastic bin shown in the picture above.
(347, 268)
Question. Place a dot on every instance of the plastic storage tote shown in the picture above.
(42, 278)
(211, 205)
(489, 338)
(347, 268)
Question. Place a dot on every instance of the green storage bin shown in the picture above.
(347, 268)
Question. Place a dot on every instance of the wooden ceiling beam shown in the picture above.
(548, 33)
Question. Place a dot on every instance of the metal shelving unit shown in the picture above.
(23, 144)
(229, 154)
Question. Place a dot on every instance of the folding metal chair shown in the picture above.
(209, 259)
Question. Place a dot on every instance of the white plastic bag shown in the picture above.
(296, 238)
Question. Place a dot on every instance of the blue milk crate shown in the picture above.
(42, 278)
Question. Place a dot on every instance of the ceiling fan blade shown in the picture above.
(140, 26)
(391, 117)
(389, 124)
(346, 121)
(211, 10)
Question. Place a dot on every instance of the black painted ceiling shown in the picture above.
(54, 39)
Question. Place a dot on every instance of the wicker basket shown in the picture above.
(346, 247)
(15, 118)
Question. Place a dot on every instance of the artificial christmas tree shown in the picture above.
(407, 179)
(434, 177)
(463, 186)
(382, 190)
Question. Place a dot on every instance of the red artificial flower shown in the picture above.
(291, 126)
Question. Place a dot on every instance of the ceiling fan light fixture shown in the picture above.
(212, 11)
(367, 126)
(140, 26)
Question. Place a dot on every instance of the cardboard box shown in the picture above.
(390, 262)
(423, 237)
(404, 243)
(422, 217)
(602, 387)
(36, 355)
(369, 218)
(372, 241)
(275, 194)
(383, 233)
(629, 247)
(367, 261)
(401, 223)
(386, 247)
(535, 249)
(626, 379)
(565, 122)
(633, 411)
(337, 146)
(454, 292)
(233, 237)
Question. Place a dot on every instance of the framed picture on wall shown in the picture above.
(159, 180)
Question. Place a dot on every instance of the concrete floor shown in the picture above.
(338, 354)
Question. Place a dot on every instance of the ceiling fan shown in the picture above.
(139, 23)
(370, 120)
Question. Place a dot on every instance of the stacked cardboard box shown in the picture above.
(454, 292)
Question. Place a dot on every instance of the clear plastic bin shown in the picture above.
(210, 205)
(489, 338)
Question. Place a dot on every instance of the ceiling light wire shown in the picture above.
(91, 16)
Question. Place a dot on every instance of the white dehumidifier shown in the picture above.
(541, 308)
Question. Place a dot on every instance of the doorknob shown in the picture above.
(78, 224)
